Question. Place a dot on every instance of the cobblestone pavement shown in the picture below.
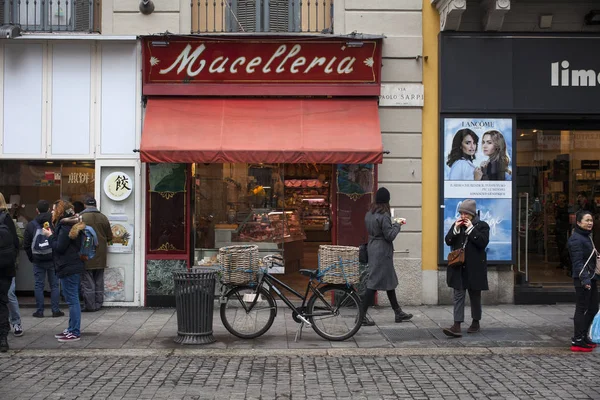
(281, 377)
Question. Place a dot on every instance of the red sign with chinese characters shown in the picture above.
(261, 66)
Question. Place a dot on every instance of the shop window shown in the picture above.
(23, 183)
(167, 208)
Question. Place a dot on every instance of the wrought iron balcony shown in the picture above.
(262, 16)
(52, 15)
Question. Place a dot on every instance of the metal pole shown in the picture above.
(527, 237)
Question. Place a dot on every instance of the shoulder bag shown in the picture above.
(456, 258)
(595, 267)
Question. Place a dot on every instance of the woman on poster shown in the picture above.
(462, 154)
(472, 234)
(496, 167)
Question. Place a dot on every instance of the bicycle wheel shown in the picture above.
(337, 315)
(242, 319)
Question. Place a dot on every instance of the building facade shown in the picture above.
(518, 78)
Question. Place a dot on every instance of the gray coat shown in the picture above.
(382, 232)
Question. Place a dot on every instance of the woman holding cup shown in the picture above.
(382, 275)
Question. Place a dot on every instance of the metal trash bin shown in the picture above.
(194, 300)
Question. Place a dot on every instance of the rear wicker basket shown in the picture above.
(240, 264)
(338, 264)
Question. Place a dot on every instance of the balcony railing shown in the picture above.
(262, 16)
(52, 15)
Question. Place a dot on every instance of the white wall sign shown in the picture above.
(118, 186)
(401, 95)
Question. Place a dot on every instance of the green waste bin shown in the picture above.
(194, 300)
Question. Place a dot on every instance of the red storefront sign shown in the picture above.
(261, 66)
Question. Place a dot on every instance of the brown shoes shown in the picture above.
(453, 331)
(474, 328)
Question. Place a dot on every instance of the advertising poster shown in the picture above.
(478, 163)
(122, 237)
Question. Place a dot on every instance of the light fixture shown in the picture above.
(159, 43)
(146, 7)
(546, 21)
(592, 18)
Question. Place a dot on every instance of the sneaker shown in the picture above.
(69, 337)
(579, 345)
(62, 334)
(18, 330)
(38, 314)
(589, 342)
(3, 344)
(57, 314)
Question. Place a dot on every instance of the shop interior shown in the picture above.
(23, 183)
(558, 173)
(284, 209)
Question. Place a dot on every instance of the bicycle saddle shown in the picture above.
(311, 273)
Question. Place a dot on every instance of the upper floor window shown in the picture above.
(52, 15)
(262, 16)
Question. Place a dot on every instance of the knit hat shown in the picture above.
(382, 196)
(468, 206)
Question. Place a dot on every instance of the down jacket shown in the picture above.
(580, 249)
(66, 242)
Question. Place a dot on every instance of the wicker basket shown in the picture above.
(239, 264)
(338, 264)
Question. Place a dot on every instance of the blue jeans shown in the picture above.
(13, 305)
(70, 289)
(39, 273)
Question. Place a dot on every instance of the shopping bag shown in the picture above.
(595, 329)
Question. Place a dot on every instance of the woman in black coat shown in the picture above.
(583, 261)
(66, 241)
(472, 276)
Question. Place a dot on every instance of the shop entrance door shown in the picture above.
(558, 173)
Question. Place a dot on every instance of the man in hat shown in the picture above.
(92, 280)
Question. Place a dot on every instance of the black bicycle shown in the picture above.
(333, 311)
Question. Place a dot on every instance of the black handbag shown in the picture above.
(363, 254)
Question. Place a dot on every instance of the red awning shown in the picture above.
(331, 131)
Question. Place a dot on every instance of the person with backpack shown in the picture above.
(39, 252)
(9, 248)
(66, 240)
(92, 280)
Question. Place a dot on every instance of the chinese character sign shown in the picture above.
(478, 163)
(118, 186)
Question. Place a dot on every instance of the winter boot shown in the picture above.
(3, 344)
(579, 345)
(474, 328)
(454, 330)
(400, 315)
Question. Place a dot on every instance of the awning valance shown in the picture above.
(331, 131)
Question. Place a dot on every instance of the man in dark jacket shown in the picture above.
(43, 264)
(92, 280)
(9, 248)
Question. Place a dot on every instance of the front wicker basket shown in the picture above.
(338, 264)
(240, 264)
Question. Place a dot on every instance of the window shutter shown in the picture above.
(245, 13)
(282, 16)
(82, 13)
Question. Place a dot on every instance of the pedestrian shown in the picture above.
(78, 207)
(583, 260)
(39, 253)
(382, 275)
(14, 314)
(472, 234)
(9, 248)
(93, 278)
(65, 238)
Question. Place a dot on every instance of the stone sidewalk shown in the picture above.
(127, 330)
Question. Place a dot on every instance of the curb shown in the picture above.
(379, 352)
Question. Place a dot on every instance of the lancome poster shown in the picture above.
(478, 162)
(478, 157)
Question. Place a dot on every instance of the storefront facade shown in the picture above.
(532, 99)
(271, 141)
(69, 121)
